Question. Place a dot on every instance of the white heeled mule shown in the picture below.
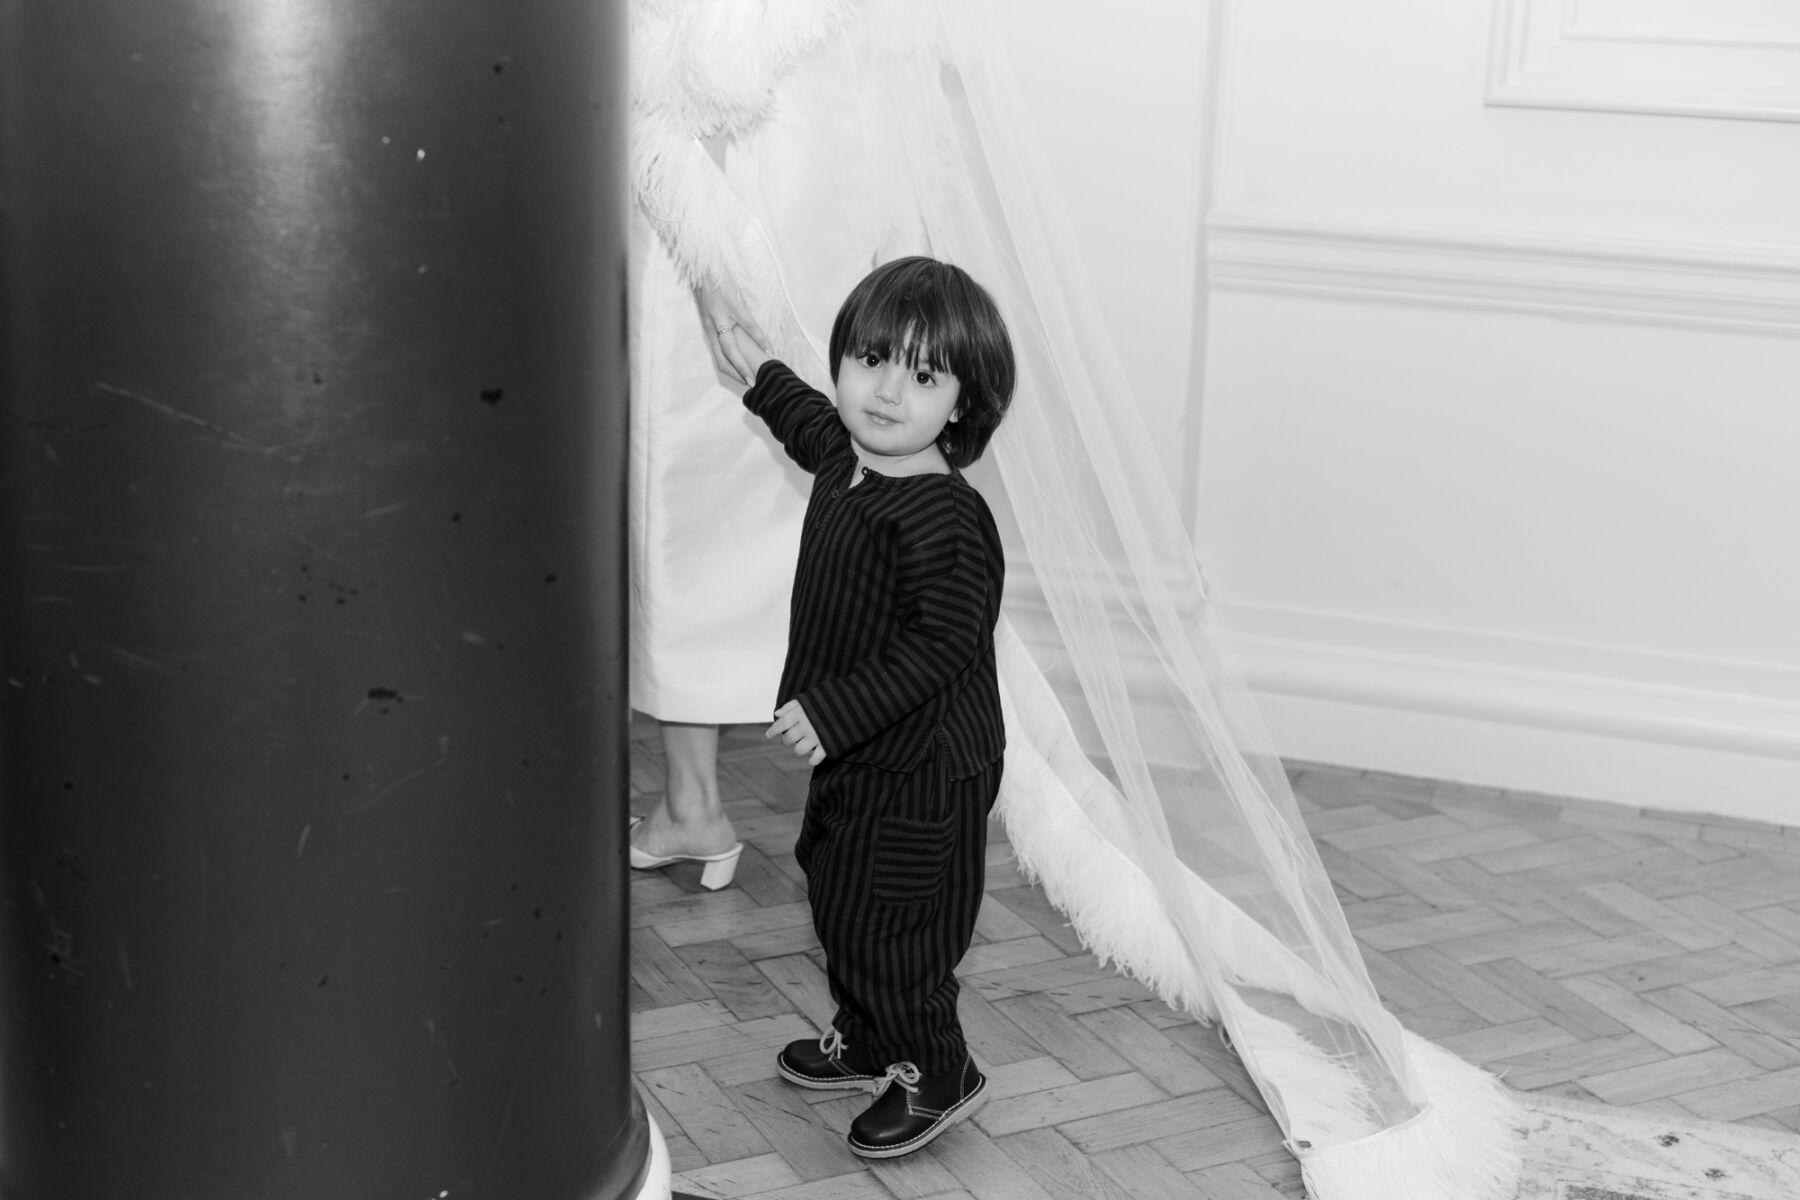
(717, 872)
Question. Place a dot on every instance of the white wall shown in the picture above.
(1118, 94)
(1498, 469)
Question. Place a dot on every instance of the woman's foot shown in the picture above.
(659, 835)
(718, 866)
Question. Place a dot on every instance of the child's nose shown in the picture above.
(887, 385)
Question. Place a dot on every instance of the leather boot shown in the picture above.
(827, 1064)
(912, 1109)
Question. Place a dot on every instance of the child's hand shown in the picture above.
(791, 726)
(725, 318)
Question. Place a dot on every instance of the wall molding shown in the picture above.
(1707, 62)
(1640, 695)
(1641, 728)
(1712, 285)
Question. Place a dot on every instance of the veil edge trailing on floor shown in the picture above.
(1141, 789)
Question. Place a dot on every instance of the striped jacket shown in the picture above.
(891, 630)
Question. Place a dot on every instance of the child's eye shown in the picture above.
(924, 378)
(871, 359)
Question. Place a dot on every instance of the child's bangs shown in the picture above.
(899, 325)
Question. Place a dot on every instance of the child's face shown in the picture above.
(894, 411)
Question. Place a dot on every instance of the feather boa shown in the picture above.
(702, 68)
(1068, 831)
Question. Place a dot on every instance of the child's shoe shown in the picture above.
(909, 1116)
(827, 1064)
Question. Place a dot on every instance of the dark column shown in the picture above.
(312, 697)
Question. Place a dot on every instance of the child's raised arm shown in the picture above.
(800, 417)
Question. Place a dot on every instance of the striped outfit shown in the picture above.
(891, 654)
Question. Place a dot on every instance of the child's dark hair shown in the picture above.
(918, 304)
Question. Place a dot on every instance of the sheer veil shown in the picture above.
(1141, 789)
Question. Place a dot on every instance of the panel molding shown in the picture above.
(1713, 285)
(1549, 54)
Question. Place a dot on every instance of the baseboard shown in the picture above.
(1643, 729)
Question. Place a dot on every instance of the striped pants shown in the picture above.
(894, 869)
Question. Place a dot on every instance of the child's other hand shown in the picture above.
(792, 726)
(725, 318)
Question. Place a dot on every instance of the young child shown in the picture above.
(889, 689)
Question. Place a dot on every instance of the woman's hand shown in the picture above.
(792, 726)
(745, 352)
(738, 343)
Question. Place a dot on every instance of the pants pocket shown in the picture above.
(912, 858)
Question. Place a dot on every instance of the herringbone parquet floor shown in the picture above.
(1585, 949)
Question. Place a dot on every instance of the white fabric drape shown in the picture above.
(1140, 786)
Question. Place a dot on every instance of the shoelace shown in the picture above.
(831, 1044)
(903, 1073)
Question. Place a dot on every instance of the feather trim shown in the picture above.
(702, 67)
(687, 200)
(1060, 844)
(1067, 827)
(713, 66)
(1461, 1146)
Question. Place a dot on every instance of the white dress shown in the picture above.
(715, 517)
(716, 505)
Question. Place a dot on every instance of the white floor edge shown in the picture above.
(659, 1177)
(1570, 1145)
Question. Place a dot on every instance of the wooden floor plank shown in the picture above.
(1735, 1029)
(1039, 1018)
(1215, 1145)
(782, 1117)
(1669, 1077)
(1142, 1172)
(1638, 1014)
(734, 980)
(1232, 1181)
(1544, 996)
(1073, 1102)
(1577, 1060)
(1156, 1120)
(984, 1169)
(746, 1177)
(1064, 1172)
(700, 1109)
(1149, 1051)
